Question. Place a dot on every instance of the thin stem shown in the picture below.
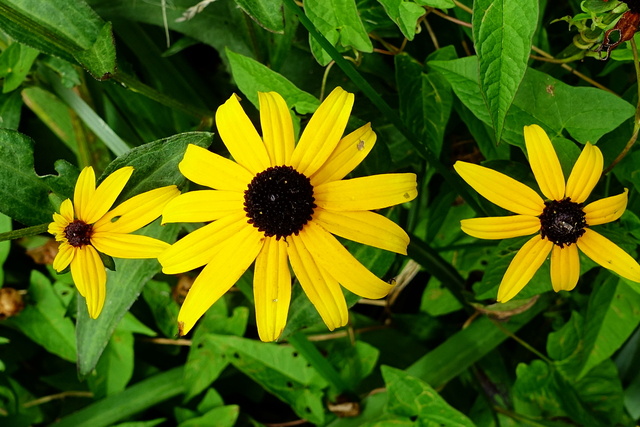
(324, 78)
(463, 6)
(168, 341)
(520, 341)
(451, 18)
(65, 394)
(434, 39)
(24, 232)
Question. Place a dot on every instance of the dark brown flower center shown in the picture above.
(562, 222)
(279, 201)
(78, 233)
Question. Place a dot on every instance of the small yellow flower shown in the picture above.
(560, 221)
(87, 227)
(279, 203)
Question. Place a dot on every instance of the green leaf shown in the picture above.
(562, 343)
(405, 14)
(137, 398)
(340, 23)
(612, 316)
(15, 64)
(279, 370)
(417, 400)
(502, 33)
(115, 367)
(267, 13)
(586, 113)
(165, 310)
(5, 226)
(353, 362)
(440, 4)
(100, 58)
(253, 77)
(44, 319)
(10, 109)
(223, 416)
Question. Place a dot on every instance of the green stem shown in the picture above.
(521, 341)
(24, 232)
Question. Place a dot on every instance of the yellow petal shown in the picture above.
(212, 170)
(501, 189)
(90, 277)
(132, 246)
(138, 211)
(66, 211)
(65, 255)
(565, 267)
(544, 162)
(585, 173)
(203, 206)
(364, 227)
(277, 128)
(320, 287)
(606, 210)
(609, 255)
(106, 194)
(83, 193)
(366, 193)
(272, 289)
(523, 266)
(323, 132)
(223, 271)
(501, 227)
(351, 150)
(330, 255)
(198, 247)
(240, 136)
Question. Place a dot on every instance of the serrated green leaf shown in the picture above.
(411, 397)
(253, 77)
(502, 33)
(15, 64)
(339, 22)
(586, 113)
(404, 14)
(279, 370)
(267, 13)
(100, 58)
(44, 319)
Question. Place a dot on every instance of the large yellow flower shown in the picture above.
(280, 202)
(559, 222)
(87, 227)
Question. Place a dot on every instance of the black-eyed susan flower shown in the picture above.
(562, 221)
(280, 203)
(88, 227)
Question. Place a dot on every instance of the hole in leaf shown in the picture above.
(236, 355)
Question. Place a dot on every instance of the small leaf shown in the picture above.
(267, 13)
(405, 14)
(223, 416)
(15, 63)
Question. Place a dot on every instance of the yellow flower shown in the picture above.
(280, 202)
(87, 227)
(560, 221)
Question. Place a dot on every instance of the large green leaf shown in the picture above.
(502, 33)
(267, 13)
(586, 113)
(10, 109)
(414, 399)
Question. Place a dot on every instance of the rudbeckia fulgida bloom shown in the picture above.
(562, 223)
(85, 227)
(280, 203)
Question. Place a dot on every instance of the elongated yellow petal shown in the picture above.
(65, 255)
(323, 132)
(321, 288)
(198, 247)
(132, 246)
(565, 267)
(366, 193)
(138, 211)
(501, 227)
(501, 189)
(606, 210)
(544, 162)
(240, 136)
(523, 266)
(212, 170)
(277, 128)
(203, 206)
(609, 255)
(585, 173)
(83, 193)
(364, 227)
(272, 289)
(330, 255)
(66, 211)
(350, 152)
(90, 277)
(222, 271)
(106, 194)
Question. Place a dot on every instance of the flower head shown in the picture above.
(280, 203)
(88, 227)
(562, 221)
